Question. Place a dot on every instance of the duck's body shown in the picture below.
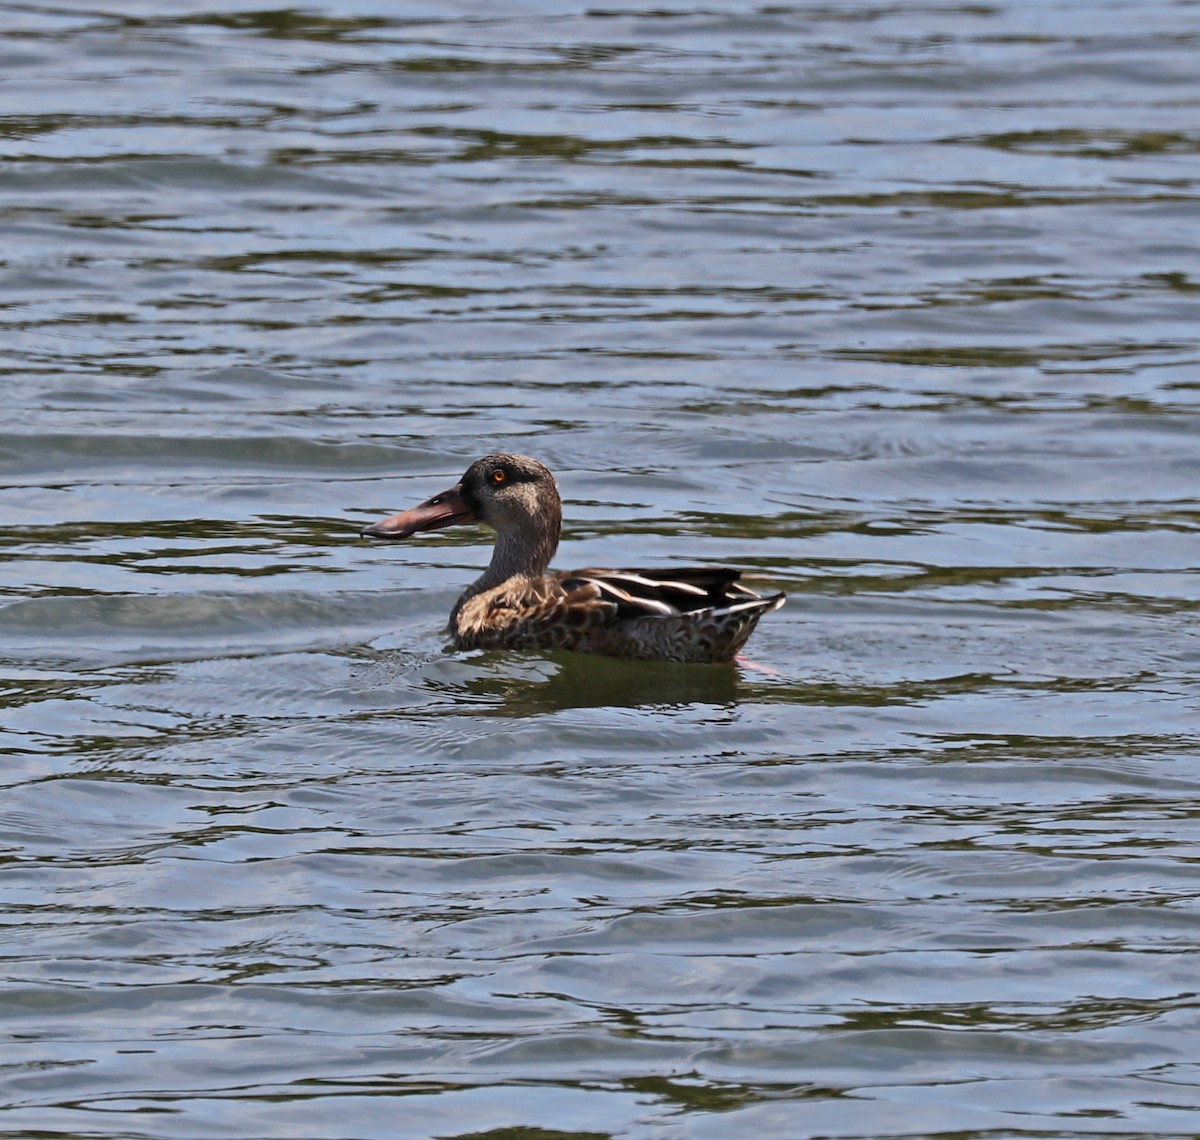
(696, 614)
(699, 614)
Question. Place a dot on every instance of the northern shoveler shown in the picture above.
(698, 614)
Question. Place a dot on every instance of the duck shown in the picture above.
(697, 614)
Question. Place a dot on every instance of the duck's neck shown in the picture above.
(521, 551)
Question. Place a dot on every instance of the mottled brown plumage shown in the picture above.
(698, 614)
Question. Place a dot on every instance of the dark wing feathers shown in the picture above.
(629, 604)
(641, 593)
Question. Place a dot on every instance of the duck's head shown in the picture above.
(509, 493)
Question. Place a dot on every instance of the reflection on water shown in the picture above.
(893, 305)
(510, 685)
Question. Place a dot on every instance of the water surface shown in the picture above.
(893, 304)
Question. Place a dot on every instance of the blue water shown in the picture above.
(895, 305)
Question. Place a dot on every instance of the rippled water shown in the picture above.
(894, 304)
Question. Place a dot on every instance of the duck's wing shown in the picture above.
(645, 593)
(700, 614)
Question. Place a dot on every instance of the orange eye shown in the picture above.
(499, 477)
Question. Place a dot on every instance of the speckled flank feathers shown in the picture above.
(695, 614)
